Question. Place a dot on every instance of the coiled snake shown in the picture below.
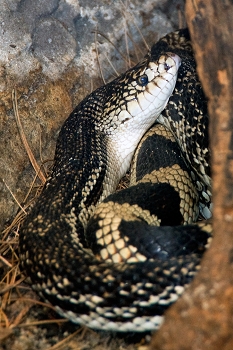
(142, 255)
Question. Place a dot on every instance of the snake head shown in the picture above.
(135, 101)
(139, 95)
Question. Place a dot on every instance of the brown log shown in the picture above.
(203, 317)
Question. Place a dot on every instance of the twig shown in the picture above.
(24, 140)
(97, 56)
(15, 199)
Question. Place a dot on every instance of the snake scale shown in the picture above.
(117, 261)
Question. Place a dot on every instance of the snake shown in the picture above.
(115, 261)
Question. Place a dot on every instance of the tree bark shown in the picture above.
(203, 317)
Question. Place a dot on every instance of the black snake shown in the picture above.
(138, 268)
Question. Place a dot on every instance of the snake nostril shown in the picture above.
(166, 67)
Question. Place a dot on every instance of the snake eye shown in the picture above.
(142, 80)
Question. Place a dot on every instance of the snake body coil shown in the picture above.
(139, 268)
